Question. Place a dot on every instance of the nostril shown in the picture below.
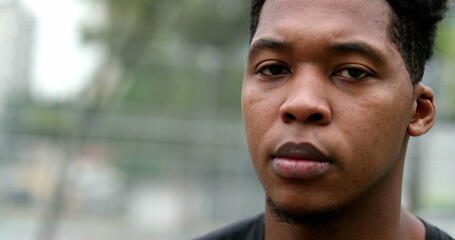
(289, 116)
(316, 117)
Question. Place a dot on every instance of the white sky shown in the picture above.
(62, 63)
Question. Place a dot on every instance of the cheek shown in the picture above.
(256, 110)
(376, 134)
(259, 113)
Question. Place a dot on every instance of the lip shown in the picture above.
(300, 161)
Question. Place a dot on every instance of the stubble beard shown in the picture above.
(314, 218)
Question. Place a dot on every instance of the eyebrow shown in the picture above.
(360, 48)
(343, 47)
(266, 43)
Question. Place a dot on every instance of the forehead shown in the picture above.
(333, 18)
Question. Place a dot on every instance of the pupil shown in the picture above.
(276, 70)
(355, 72)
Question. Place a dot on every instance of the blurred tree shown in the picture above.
(445, 49)
(171, 56)
(168, 59)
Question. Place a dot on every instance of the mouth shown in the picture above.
(300, 161)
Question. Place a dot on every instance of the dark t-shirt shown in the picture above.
(253, 229)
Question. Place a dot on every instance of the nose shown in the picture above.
(306, 101)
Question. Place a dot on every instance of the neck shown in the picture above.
(375, 215)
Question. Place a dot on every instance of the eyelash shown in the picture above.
(339, 73)
(271, 74)
(363, 73)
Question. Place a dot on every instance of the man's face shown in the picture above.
(326, 102)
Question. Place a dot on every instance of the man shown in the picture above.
(331, 94)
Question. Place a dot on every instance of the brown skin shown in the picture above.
(301, 86)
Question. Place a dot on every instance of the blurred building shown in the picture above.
(16, 38)
(16, 41)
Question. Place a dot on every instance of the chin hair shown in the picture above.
(297, 217)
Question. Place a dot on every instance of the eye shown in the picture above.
(353, 73)
(274, 70)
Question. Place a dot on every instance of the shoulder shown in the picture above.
(434, 233)
(251, 228)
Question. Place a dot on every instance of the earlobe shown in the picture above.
(423, 112)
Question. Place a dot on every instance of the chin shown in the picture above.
(300, 215)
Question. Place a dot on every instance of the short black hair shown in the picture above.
(412, 28)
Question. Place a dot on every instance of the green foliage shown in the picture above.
(175, 53)
(445, 48)
(445, 40)
(177, 58)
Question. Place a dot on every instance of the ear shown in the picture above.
(423, 111)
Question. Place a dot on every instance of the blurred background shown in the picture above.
(121, 120)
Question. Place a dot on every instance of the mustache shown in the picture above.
(305, 151)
